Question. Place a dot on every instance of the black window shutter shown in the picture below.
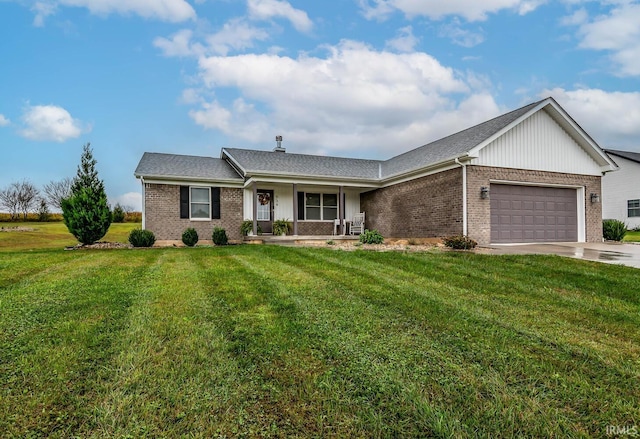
(301, 206)
(215, 203)
(184, 201)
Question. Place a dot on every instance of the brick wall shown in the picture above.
(426, 207)
(478, 210)
(315, 228)
(162, 216)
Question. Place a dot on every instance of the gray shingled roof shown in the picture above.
(633, 156)
(267, 162)
(185, 166)
(451, 147)
(282, 163)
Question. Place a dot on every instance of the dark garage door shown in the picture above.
(533, 214)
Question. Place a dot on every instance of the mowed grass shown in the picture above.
(263, 341)
(52, 235)
(632, 236)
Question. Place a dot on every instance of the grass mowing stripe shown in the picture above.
(66, 324)
(173, 375)
(274, 342)
(357, 376)
(564, 361)
(540, 307)
(269, 341)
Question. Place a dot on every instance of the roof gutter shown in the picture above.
(440, 164)
(464, 195)
(238, 180)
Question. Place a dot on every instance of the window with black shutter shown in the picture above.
(199, 203)
(215, 203)
(184, 201)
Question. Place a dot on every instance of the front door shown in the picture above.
(265, 210)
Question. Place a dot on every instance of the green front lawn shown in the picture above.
(52, 235)
(260, 341)
(632, 237)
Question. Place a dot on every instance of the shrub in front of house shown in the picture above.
(613, 229)
(371, 237)
(459, 242)
(219, 236)
(190, 237)
(141, 238)
(247, 227)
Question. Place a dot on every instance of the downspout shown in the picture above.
(144, 216)
(464, 196)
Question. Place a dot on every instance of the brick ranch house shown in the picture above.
(530, 175)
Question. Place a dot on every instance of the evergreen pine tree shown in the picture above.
(86, 212)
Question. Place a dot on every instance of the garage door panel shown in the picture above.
(533, 214)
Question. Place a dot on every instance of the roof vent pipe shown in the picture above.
(279, 147)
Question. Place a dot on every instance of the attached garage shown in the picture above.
(533, 214)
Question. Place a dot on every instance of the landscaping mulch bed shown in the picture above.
(99, 246)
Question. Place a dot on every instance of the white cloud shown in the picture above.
(190, 96)
(42, 10)
(267, 9)
(460, 36)
(471, 10)
(617, 32)
(165, 10)
(354, 99)
(51, 123)
(129, 200)
(236, 34)
(404, 42)
(179, 44)
(612, 118)
(577, 18)
(4, 121)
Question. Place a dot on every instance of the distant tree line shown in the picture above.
(21, 198)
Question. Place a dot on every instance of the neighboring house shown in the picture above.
(621, 190)
(530, 175)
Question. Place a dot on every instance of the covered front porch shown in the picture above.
(314, 210)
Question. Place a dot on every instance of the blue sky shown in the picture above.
(357, 78)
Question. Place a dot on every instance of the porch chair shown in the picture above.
(357, 224)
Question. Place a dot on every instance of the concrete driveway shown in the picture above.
(611, 253)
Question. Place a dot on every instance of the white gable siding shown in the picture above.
(538, 143)
(617, 188)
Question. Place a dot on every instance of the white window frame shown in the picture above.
(191, 203)
(322, 194)
(636, 214)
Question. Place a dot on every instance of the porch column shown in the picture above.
(341, 210)
(254, 204)
(295, 209)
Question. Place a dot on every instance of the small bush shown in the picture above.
(613, 229)
(190, 237)
(43, 212)
(459, 242)
(247, 227)
(118, 214)
(219, 236)
(371, 237)
(141, 238)
(281, 227)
